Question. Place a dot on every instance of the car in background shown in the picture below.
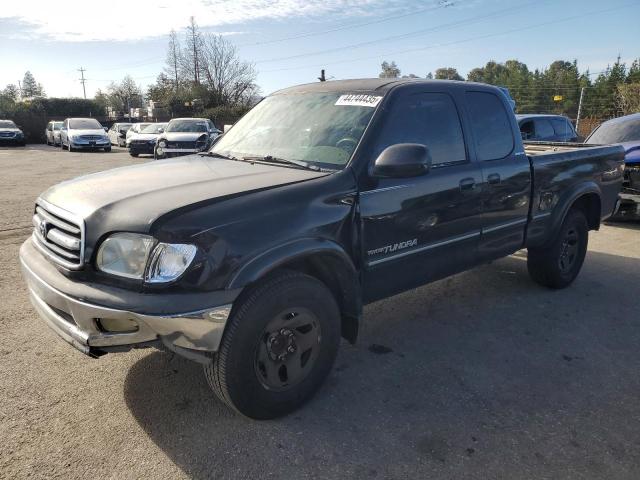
(135, 128)
(118, 132)
(83, 134)
(184, 136)
(145, 141)
(10, 134)
(52, 133)
(546, 128)
(624, 131)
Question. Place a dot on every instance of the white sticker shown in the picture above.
(359, 100)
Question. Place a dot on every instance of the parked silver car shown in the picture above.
(118, 132)
(83, 133)
(52, 133)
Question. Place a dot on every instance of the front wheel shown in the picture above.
(558, 265)
(278, 347)
(107, 149)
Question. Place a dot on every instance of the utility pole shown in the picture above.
(322, 78)
(20, 88)
(579, 109)
(82, 80)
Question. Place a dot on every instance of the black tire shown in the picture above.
(240, 376)
(558, 265)
(134, 154)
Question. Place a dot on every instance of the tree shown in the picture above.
(389, 70)
(173, 58)
(11, 92)
(628, 98)
(125, 95)
(448, 73)
(229, 80)
(31, 88)
(191, 61)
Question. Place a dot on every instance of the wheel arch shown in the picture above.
(323, 259)
(586, 197)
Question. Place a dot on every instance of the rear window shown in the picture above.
(562, 127)
(543, 128)
(491, 126)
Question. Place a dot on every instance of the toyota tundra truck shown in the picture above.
(255, 257)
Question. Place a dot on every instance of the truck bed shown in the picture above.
(533, 148)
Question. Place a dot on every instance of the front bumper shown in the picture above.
(77, 317)
(12, 140)
(90, 145)
(141, 148)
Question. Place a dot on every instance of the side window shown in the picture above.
(544, 128)
(527, 130)
(491, 126)
(430, 119)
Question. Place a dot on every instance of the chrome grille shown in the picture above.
(181, 144)
(91, 137)
(7, 134)
(59, 235)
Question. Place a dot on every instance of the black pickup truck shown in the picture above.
(256, 257)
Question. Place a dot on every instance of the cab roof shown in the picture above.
(381, 85)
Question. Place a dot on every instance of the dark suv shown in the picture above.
(547, 128)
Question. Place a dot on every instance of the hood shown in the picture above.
(183, 136)
(144, 136)
(88, 131)
(632, 152)
(132, 198)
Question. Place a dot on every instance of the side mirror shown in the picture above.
(161, 130)
(403, 160)
(105, 129)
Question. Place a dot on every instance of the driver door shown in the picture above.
(419, 229)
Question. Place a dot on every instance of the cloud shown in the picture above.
(82, 20)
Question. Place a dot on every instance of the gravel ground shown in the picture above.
(482, 375)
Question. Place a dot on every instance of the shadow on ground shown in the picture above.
(483, 375)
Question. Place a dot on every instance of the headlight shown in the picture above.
(162, 143)
(169, 261)
(125, 254)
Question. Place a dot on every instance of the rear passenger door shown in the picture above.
(506, 185)
(418, 229)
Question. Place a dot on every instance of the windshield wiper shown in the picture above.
(219, 155)
(272, 159)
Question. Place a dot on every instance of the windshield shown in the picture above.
(322, 129)
(186, 126)
(57, 125)
(7, 124)
(154, 128)
(616, 132)
(84, 123)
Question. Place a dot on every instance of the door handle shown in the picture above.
(467, 184)
(494, 179)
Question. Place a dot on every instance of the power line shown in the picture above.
(456, 42)
(441, 4)
(437, 28)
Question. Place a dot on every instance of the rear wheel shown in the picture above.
(558, 265)
(133, 154)
(278, 347)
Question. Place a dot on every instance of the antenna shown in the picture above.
(82, 80)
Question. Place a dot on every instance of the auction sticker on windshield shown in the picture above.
(359, 100)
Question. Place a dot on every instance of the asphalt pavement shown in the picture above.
(484, 375)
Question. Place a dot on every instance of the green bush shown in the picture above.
(225, 114)
(33, 116)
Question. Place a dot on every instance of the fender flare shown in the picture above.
(566, 202)
(339, 272)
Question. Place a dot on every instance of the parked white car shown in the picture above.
(135, 129)
(118, 132)
(145, 141)
(83, 133)
(52, 133)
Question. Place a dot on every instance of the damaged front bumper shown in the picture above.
(80, 317)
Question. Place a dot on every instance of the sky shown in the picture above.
(289, 41)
